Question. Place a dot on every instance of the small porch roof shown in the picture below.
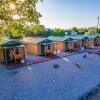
(10, 43)
(48, 43)
(89, 37)
(12, 46)
(74, 38)
(98, 36)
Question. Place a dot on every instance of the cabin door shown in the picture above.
(66, 46)
(7, 54)
(95, 43)
(42, 50)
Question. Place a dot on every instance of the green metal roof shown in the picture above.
(98, 36)
(47, 41)
(36, 40)
(74, 37)
(90, 37)
(33, 40)
(12, 46)
(10, 42)
(65, 38)
(56, 38)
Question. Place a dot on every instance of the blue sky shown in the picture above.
(69, 13)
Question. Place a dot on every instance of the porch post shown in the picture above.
(52, 49)
(56, 49)
(5, 56)
(24, 52)
(14, 55)
(45, 50)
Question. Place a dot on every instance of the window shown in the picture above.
(17, 51)
(49, 47)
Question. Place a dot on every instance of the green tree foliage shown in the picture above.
(24, 9)
(48, 32)
(90, 32)
(58, 32)
(87, 30)
(35, 30)
(83, 29)
(75, 29)
(98, 31)
(15, 29)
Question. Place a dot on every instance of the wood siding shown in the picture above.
(33, 49)
(12, 54)
(90, 43)
(49, 51)
(98, 42)
(1, 55)
(59, 46)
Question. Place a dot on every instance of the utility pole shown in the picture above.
(98, 22)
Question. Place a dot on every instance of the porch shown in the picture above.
(72, 45)
(47, 47)
(13, 53)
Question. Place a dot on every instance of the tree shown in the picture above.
(98, 31)
(35, 30)
(38, 30)
(58, 32)
(48, 32)
(17, 13)
(91, 32)
(75, 29)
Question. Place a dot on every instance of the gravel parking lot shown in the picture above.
(44, 82)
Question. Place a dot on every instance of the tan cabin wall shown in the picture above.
(12, 54)
(98, 41)
(59, 46)
(18, 56)
(1, 55)
(38, 49)
(79, 44)
(90, 43)
(49, 51)
(21, 55)
(33, 49)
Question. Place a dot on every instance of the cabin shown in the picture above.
(73, 42)
(39, 46)
(89, 41)
(11, 51)
(60, 42)
(97, 40)
(67, 43)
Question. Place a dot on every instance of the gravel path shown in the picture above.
(44, 82)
